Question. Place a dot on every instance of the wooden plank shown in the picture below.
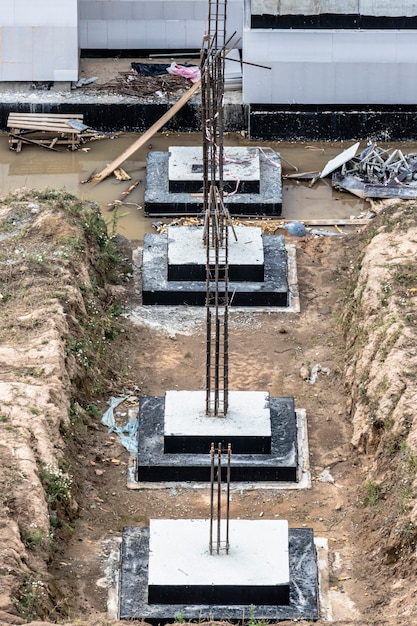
(35, 143)
(334, 222)
(383, 191)
(147, 134)
(43, 127)
(317, 222)
(25, 120)
(66, 116)
(47, 123)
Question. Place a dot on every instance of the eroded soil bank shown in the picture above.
(65, 349)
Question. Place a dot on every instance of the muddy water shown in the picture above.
(37, 168)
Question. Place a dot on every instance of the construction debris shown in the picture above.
(121, 174)
(48, 130)
(339, 160)
(378, 173)
(142, 86)
(124, 195)
(374, 173)
(272, 226)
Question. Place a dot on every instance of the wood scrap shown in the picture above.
(48, 130)
(21, 140)
(124, 195)
(121, 174)
(136, 85)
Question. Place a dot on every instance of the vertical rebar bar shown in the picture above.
(229, 455)
(215, 218)
(219, 495)
(216, 512)
(211, 497)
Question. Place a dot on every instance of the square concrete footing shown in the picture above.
(184, 460)
(254, 570)
(187, 254)
(270, 572)
(181, 195)
(241, 169)
(257, 278)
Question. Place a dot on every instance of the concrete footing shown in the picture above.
(176, 197)
(273, 579)
(156, 464)
(166, 281)
(251, 567)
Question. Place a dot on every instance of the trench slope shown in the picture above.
(380, 324)
(56, 326)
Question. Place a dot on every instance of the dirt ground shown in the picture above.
(268, 351)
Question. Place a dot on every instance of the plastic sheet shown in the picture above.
(129, 440)
(190, 72)
(150, 69)
(315, 372)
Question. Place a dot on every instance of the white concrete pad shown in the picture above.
(186, 246)
(185, 163)
(179, 553)
(248, 415)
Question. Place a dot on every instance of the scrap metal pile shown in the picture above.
(379, 173)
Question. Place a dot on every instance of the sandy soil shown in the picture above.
(271, 351)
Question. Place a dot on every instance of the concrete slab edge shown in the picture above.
(303, 471)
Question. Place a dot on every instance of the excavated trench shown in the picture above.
(65, 348)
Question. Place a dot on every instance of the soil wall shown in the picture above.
(57, 320)
(379, 321)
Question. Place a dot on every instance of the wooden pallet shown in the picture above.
(46, 130)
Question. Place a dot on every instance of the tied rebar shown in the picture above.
(216, 217)
(216, 544)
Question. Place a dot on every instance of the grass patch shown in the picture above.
(372, 494)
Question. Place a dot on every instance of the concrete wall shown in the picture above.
(388, 8)
(149, 24)
(330, 67)
(38, 40)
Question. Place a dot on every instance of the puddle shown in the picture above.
(38, 169)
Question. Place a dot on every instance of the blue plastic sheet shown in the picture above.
(128, 432)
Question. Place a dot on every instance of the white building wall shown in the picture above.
(149, 24)
(38, 40)
(330, 67)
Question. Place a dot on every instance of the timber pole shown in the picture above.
(147, 134)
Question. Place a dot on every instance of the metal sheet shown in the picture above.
(339, 160)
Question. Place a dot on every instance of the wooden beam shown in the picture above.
(318, 222)
(31, 142)
(44, 126)
(65, 116)
(147, 134)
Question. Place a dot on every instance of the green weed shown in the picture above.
(32, 539)
(29, 598)
(57, 485)
(372, 494)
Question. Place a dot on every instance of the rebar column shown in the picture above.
(215, 215)
(216, 545)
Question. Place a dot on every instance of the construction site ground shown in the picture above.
(369, 577)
